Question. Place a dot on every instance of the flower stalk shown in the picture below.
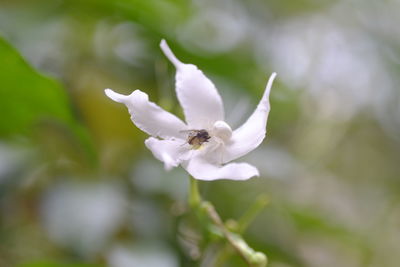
(194, 195)
(250, 256)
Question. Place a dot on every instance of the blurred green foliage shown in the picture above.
(33, 103)
(43, 264)
(28, 96)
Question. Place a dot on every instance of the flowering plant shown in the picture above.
(205, 144)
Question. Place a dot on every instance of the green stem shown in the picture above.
(194, 195)
(252, 213)
(253, 258)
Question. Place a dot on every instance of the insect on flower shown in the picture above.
(197, 137)
(206, 151)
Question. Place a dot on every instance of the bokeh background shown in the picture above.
(78, 188)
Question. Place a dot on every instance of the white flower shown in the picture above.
(206, 143)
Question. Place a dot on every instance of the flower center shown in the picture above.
(197, 137)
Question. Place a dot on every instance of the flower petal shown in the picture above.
(250, 135)
(202, 169)
(149, 117)
(200, 100)
(171, 152)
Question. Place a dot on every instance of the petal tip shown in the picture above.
(257, 173)
(269, 85)
(252, 172)
(169, 54)
(114, 96)
(272, 78)
(168, 167)
(163, 43)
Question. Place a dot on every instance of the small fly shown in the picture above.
(197, 137)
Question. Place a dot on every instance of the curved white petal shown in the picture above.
(250, 135)
(202, 169)
(149, 117)
(200, 100)
(171, 152)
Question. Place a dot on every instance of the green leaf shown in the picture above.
(26, 97)
(30, 101)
